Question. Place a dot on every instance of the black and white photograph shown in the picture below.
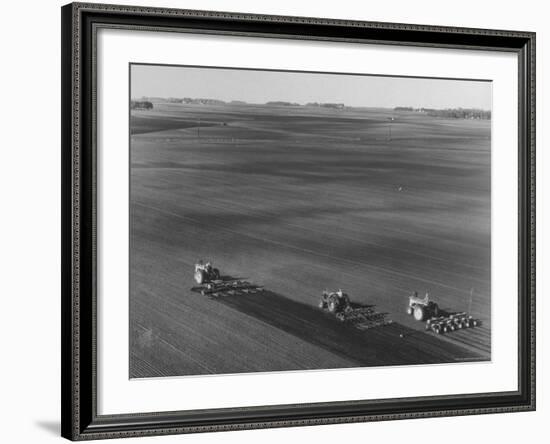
(292, 221)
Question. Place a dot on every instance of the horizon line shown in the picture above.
(287, 103)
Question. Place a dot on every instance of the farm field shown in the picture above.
(302, 199)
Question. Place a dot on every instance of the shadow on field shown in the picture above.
(392, 344)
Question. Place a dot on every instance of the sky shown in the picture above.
(260, 86)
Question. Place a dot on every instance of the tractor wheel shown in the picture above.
(419, 313)
(409, 310)
(199, 276)
(332, 306)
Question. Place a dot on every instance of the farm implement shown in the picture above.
(446, 324)
(364, 318)
(220, 288)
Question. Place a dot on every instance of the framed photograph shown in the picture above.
(280, 221)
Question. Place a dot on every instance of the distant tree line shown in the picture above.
(327, 105)
(281, 103)
(450, 113)
(459, 113)
(198, 101)
(140, 104)
(203, 101)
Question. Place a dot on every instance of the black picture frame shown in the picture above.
(80, 420)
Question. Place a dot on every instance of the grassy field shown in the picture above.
(300, 199)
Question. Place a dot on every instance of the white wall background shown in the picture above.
(30, 218)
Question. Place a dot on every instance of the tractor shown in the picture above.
(205, 273)
(422, 308)
(335, 302)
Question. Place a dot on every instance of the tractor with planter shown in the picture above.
(338, 304)
(424, 309)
